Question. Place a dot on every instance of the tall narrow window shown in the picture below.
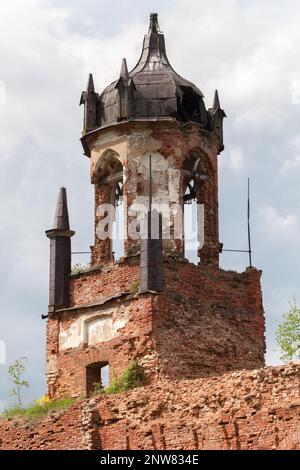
(190, 224)
(195, 186)
(97, 377)
(110, 188)
(118, 225)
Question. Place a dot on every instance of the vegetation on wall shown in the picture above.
(135, 287)
(288, 333)
(38, 409)
(16, 371)
(80, 268)
(132, 377)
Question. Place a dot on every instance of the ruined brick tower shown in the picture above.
(152, 144)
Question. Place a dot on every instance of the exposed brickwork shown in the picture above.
(175, 144)
(207, 321)
(251, 410)
(133, 342)
(58, 431)
(107, 281)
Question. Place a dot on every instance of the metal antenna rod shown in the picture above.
(150, 183)
(249, 232)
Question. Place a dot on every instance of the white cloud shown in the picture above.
(285, 227)
(290, 165)
(236, 160)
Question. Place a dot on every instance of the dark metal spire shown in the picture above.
(154, 26)
(216, 104)
(90, 84)
(217, 115)
(61, 218)
(60, 255)
(124, 70)
(90, 100)
(156, 91)
(90, 89)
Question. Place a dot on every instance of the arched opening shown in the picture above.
(195, 189)
(118, 249)
(190, 106)
(109, 172)
(97, 377)
(190, 222)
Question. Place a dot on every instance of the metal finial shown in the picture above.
(249, 231)
(154, 26)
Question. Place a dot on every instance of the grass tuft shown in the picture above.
(36, 411)
(132, 377)
(135, 287)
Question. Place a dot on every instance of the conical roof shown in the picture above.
(61, 217)
(155, 89)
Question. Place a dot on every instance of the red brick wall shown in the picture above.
(176, 144)
(59, 431)
(109, 280)
(133, 343)
(248, 410)
(206, 322)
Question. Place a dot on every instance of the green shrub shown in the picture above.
(16, 370)
(132, 377)
(135, 287)
(288, 333)
(36, 411)
(79, 268)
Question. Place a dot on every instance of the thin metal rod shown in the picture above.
(80, 252)
(237, 251)
(249, 231)
(150, 183)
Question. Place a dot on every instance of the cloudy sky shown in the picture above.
(248, 49)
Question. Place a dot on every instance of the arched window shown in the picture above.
(118, 225)
(190, 223)
(191, 106)
(109, 172)
(195, 175)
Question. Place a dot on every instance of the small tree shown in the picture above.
(16, 371)
(288, 333)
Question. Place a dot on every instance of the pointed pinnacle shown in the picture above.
(124, 70)
(154, 26)
(61, 218)
(216, 104)
(90, 84)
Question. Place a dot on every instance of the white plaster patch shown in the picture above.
(103, 329)
(174, 179)
(165, 180)
(51, 366)
(92, 328)
(165, 185)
